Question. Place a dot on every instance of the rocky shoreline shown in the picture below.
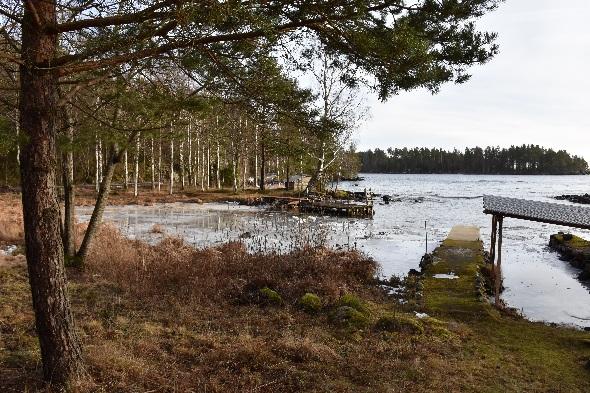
(573, 249)
(582, 199)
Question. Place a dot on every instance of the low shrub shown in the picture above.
(352, 301)
(270, 297)
(310, 303)
(348, 317)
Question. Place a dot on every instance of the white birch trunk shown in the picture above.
(190, 152)
(208, 164)
(153, 163)
(171, 188)
(17, 126)
(181, 163)
(256, 157)
(126, 165)
(136, 169)
(97, 171)
(160, 163)
(217, 169)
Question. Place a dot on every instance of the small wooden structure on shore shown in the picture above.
(336, 208)
(550, 213)
(327, 207)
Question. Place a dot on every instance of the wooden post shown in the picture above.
(498, 269)
(493, 239)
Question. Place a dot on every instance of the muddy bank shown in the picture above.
(573, 249)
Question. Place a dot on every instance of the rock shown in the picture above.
(573, 249)
(581, 199)
(427, 259)
(414, 272)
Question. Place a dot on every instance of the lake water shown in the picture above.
(537, 282)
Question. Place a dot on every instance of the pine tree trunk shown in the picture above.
(60, 350)
(68, 185)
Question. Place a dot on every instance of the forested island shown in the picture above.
(515, 160)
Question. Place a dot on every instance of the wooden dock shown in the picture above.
(336, 208)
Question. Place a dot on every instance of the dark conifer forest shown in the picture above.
(515, 160)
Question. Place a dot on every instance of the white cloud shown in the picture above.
(534, 91)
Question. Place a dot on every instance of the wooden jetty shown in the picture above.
(522, 209)
(336, 208)
(329, 207)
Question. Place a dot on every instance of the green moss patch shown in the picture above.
(348, 317)
(270, 297)
(391, 322)
(310, 303)
(354, 302)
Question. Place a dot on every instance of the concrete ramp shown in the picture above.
(464, 233)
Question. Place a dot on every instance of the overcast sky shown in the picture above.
(534, 91)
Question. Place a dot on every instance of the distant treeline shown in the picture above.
(516, 160)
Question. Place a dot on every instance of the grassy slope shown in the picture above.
(513, 354)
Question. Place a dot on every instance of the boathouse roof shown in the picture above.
(550, 213)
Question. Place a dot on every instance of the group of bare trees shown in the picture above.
(106, 78)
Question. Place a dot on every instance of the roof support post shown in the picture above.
(498, 269)
(493, 239)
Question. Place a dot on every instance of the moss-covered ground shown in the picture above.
(575, 242)
(514, 354)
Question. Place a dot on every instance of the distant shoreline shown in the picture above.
(472, 174)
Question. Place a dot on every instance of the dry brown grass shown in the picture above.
(11, 222)
(171, 318)
(223, 274)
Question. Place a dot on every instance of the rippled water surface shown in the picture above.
(536, 281)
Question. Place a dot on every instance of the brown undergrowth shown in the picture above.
(171, 317)
(177, 270)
